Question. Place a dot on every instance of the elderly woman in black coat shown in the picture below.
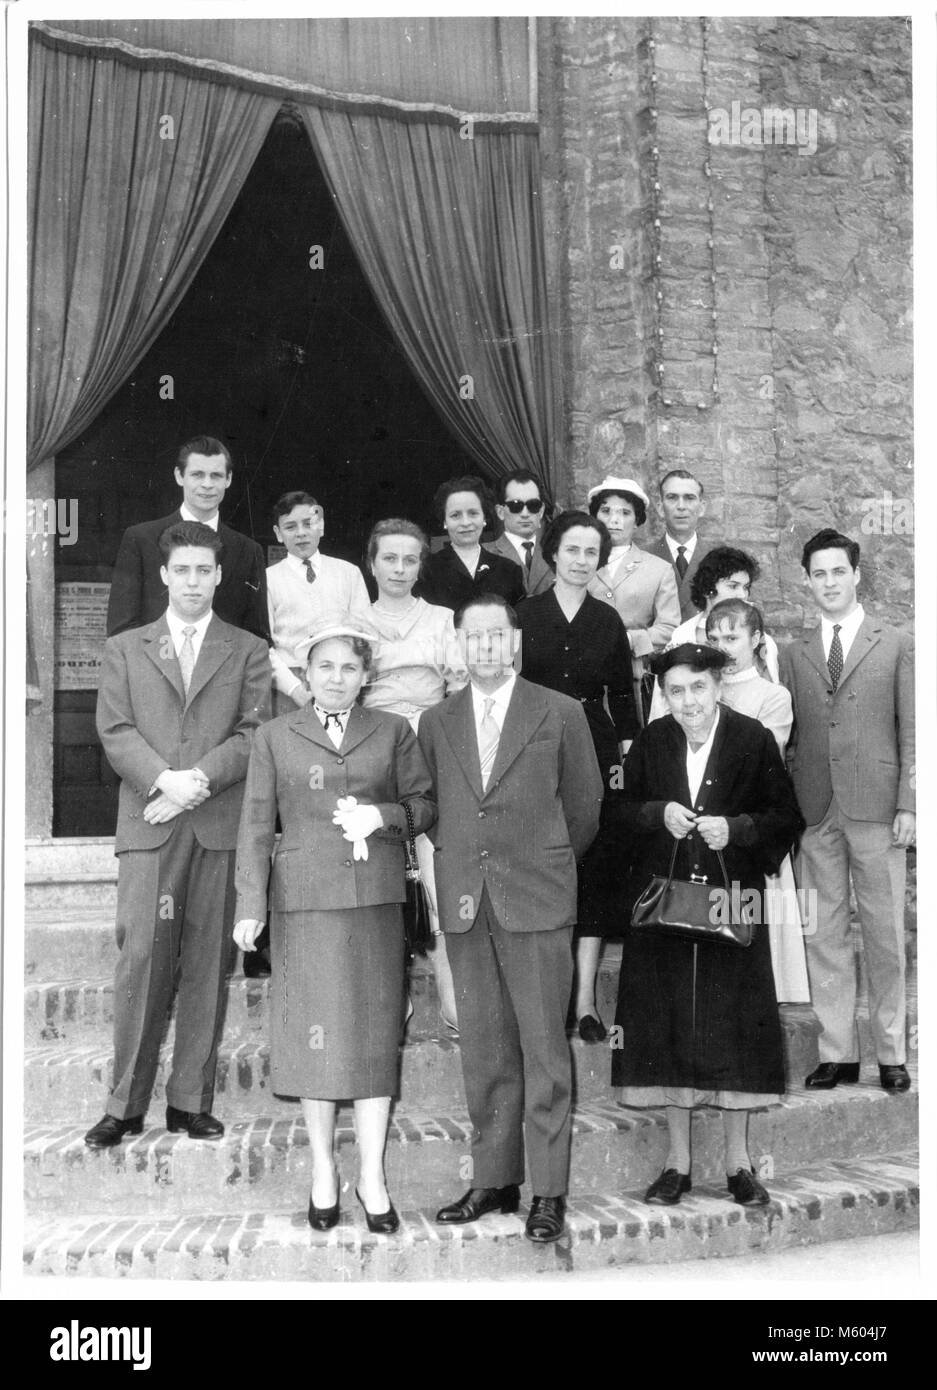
(699, 1022)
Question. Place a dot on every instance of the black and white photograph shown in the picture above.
(462, 655)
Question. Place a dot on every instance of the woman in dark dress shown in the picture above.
(574, 643)
(699, 1022)
(463, 569)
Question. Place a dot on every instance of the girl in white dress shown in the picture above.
(737, 628)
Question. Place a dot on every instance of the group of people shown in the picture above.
(554, 718)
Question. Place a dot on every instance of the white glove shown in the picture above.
(357, 823)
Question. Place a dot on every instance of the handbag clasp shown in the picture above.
(699, 878)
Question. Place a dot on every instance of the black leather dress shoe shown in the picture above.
(477, 1202)
(894, 1078)
(201, 1126)
(322, 1218)
(829, 1074)
(667, 1190)
(385, 1223)
(110, 1131)
(546, 1219)
(746, 1189)
(592, 1029)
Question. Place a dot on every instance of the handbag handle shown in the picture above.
(673, 864)
(413, 865)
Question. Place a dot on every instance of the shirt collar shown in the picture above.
(847, 628)
(300, 565)
(519, 542)
(322, 713)
(688, 546)
(190, 516)
(177, 624)
(501, 697)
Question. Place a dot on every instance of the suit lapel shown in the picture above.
(863, 642)
(305, 722)
(361, 724)
(813, 652)
(158, 645)
(524, 714)
(213, 653)
(458, 722)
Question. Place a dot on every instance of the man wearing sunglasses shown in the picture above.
(521, 509)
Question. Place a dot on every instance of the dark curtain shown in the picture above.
(448, 232)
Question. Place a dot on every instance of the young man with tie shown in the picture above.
(521, 509)
(852, 754)
(178, 702)
(683, 505)
(203, 471)
(303, 589)
(519, 795)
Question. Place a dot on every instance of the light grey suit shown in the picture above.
(661, 549)
(851, 757)
(539, 578)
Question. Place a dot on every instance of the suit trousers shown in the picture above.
(175, 907)
(512, 993)
(829, 852)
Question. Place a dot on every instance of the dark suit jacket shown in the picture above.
(859, 743)
(522, 836)
(541, 577)
(147, 724)
(447, 582)
(138, 595)
(660, 548)
(295, 770)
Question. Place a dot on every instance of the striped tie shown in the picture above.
(489, 736)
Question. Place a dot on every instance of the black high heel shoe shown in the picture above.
(384, 1224)
(322, 1218)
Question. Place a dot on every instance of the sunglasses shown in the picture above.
(533, 505)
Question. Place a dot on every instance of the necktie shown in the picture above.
(310, 572)
(682, 564)
(528, 555)
(834, 661)
(489, 736)
(187, 658)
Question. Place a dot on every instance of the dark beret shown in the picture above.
(688, 654)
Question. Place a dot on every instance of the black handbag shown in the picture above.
(697, 910)
(416, 919)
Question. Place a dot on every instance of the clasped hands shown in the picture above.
(178, 792)
(357, 823)
(680, 820)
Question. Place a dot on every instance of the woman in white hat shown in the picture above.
(337, 774)
(641, 586)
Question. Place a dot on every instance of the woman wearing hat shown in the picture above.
(699, 1021)
(337, 775)
(642, 587)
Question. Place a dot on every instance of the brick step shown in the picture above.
(825, 1201)
(69, 1083)
(264, 1163)
(67, 874)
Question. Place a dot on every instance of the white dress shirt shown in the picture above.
(688, 546)
(519, 542)
(501, 699)
(335, 732)
(176, 624)
(190, 516)
(696, 760)
(848, 628)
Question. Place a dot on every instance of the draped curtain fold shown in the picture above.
(121, 218)
(448, 233)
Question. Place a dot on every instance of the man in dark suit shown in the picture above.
(519, 795)
(521, 509)
(683, 504)
(852, 754)
(203, 471)
(178, 702)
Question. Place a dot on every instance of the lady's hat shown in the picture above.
(613, 484)
(691, 654)
(335, 625)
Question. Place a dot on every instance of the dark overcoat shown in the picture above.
(703, 1016)
(445, 580)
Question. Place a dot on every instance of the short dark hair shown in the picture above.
(183, 533)
(640, 511)
(285, 504)
(828, 539)
(720, 563)
(484, 601)
(397, 526)
(203, 444)
(469, 482)
(518, 475)
(558, 527)
(738, 612)
(680, 473)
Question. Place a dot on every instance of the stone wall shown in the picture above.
(739, 309)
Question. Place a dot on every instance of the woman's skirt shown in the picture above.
(337, 1002)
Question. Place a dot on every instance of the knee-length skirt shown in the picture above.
(337, 1001)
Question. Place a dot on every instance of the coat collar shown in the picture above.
(526, 712)
(361, 724)
(623, 572)
(214, 652)
(866, 638)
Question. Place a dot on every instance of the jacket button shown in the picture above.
(482, 815)
(484, 854)
(339, 761)
(347, 863)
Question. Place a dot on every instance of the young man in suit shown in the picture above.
(521, 509)
(303, 589)
(519, 794)
(852, 755)
(178, 702)
(203, 471)
(683, 504)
